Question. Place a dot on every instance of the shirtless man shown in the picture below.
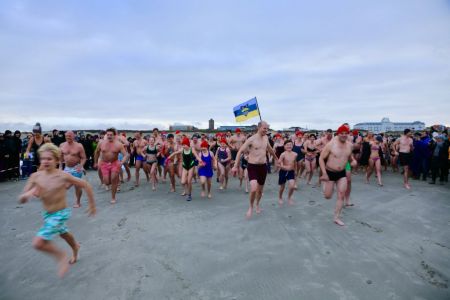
(257, 145)
(320, 145)
(403, 148)
(337, 154)
(235, 142)
(139, 145)
(74, 158)
(110, 166)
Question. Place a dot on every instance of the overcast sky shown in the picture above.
(140, 64)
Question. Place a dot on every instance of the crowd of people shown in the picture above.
(55, 163)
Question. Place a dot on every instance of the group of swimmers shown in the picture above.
(192, 158)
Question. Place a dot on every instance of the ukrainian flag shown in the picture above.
(246, 110)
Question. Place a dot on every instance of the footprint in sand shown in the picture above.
(433, 276)
(311, 202)
(122, 222)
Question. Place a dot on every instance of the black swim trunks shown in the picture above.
(335, 175)
(404, 158)
(257, 172)
(285, 176)
(233, 154)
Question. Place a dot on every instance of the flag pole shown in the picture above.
(259, 112)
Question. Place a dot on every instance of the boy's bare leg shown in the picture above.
(280, 195)
(49, 248)
(291, 187)
(68, 237)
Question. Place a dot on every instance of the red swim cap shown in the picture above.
(204, 144)
(223, 140)
(177, 132)
(355, 132)
(186, 142)
(299, 133)
(343, 129)
(238, 130)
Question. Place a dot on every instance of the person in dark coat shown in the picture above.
(439, 159)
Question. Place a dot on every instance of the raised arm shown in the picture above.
(30, 143)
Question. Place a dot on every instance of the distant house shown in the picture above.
(182, 128)
(386, 125)
(295, 128)
(233, 128)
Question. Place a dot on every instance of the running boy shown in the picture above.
(49, 184)
(287, 161)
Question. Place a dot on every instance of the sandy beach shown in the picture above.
(155, 245)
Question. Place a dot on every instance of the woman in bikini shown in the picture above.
(374, 159)
(151, 161)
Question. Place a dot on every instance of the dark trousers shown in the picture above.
(438, 168)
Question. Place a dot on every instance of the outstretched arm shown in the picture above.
(29, 190)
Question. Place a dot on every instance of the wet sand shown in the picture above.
(155, 245)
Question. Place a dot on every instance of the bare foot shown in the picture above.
(249, 213)
(63, 266)
(183, 194)
(339, 222)
(280, 202)
(296, 187)
(74, 258)
(118, 188)
(209, 196)
(221, 188)
(136, 184)
(76, 205)
(113, 201)
(107, 187)
(172, 190)
(153, 188)
(290, 202)
(407, 186)
(258, 209)
(308, 183)
(202, 194)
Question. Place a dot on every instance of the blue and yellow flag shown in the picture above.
(246, 110)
